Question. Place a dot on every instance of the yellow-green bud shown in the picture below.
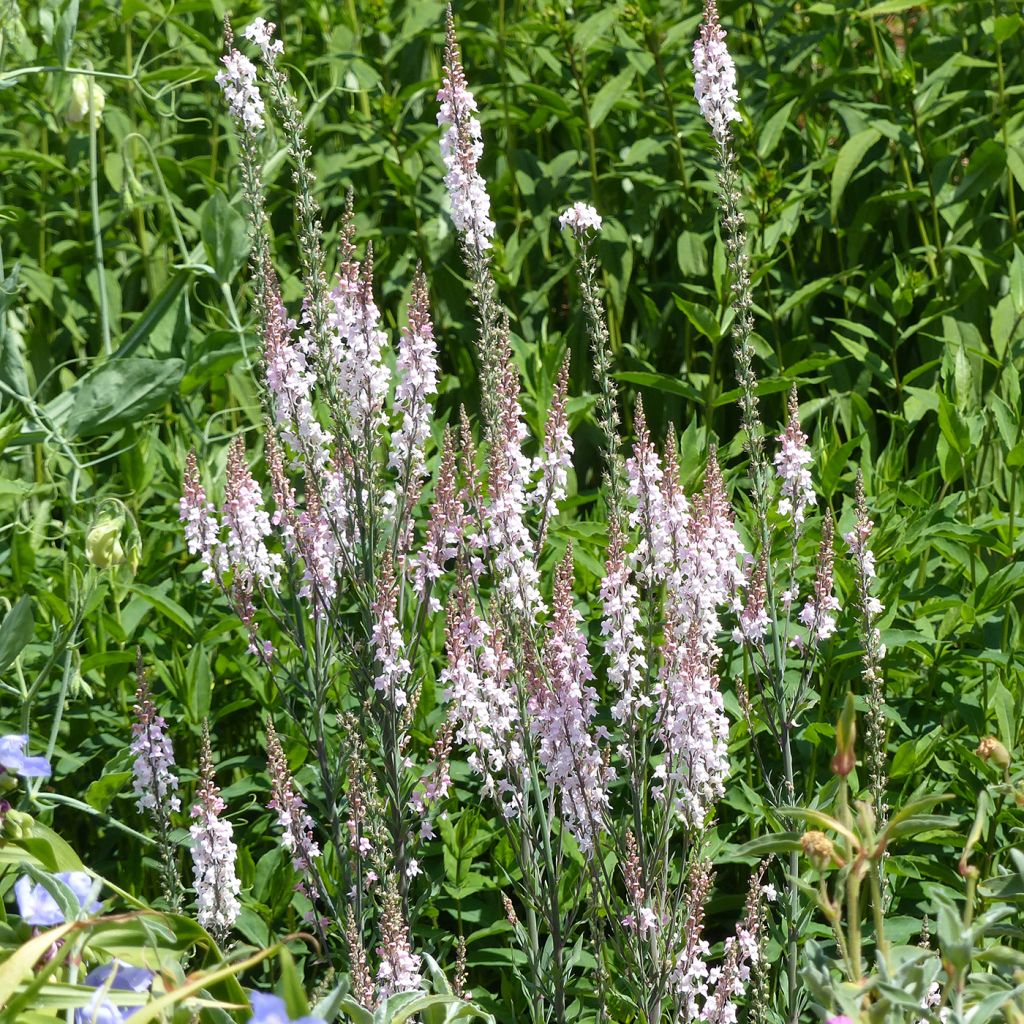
(103, 542)
(78, 105)
(845, 758)
(17, 825)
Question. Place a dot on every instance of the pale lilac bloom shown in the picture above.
(285, 801)
(291, 381)
(248, 524)
(693, 731)
(461, 149)
(38, 908)
(389, 646)
(580, 217)
(15, 761)
(261, 32)
(202, 531)
(238, 80)
(714, 75)
(476, 682)
(399, 969)
(102, 1008)
(153, 781)
(791, 462)
(555, 459)
(357, 343)
(818, 613)
(416, 381)
(507, 535)
(620, 627)
(444, 530)
(562, 707)
(213, 854)
(271, 1009)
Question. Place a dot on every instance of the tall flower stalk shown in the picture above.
(153, 778)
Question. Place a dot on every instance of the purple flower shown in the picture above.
(37, 907)
(268, 1009)
(14, 760)
(100, 1010)
(839, 1019)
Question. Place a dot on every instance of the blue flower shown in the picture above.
(14, 761)
(37, 907)
(268, 1009)
(100, 1009)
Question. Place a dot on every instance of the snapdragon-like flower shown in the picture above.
(357, 343)
(248, 524)
(292, 816)
(507, 535)
(620, 627)
(399, 969)
(271, 1009)
(714, 76)
(444, 531)
(562, 708)
(38, 908)
(461, 149)
(476, 681)
(416, 381)
(291, 380)
(261, 32)
(581, 218)
(693, 731)
(817, 614)
(153, 780)
(388, 644)
(213, 853)
(238, 80)
(15, 761)
(109, 979)
(791, 462)
(555, 460)
(202, 530)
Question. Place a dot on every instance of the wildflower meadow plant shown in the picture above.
(604, 755)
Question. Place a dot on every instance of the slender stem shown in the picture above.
(97, 239)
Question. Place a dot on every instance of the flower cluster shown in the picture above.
(261, 32)
(461, 149)
(714, 76)
(562, 708)
(416, 372)
(292, 816)
(153, 780)
(791, 462)
(817, 614)
(581, 218)
(399, 969)
(213, 853)
(238, 80)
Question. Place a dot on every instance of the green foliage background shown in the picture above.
(882, 151)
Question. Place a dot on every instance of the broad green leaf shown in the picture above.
(850, 156)
(17, 631)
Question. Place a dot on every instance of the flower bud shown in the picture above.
(818, 849)
(78, 106)
(16, 824)
(103, 542)
(990, 749)
(845, 758)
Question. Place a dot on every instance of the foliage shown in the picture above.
(881, 163)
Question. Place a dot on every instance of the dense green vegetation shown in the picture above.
(881, 156)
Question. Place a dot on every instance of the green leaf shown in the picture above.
(661, 382)
(120, 392)
(16, 632)
(608, 95)
(850, 155)
(225, 236)
(64, 36)
(702, 318)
